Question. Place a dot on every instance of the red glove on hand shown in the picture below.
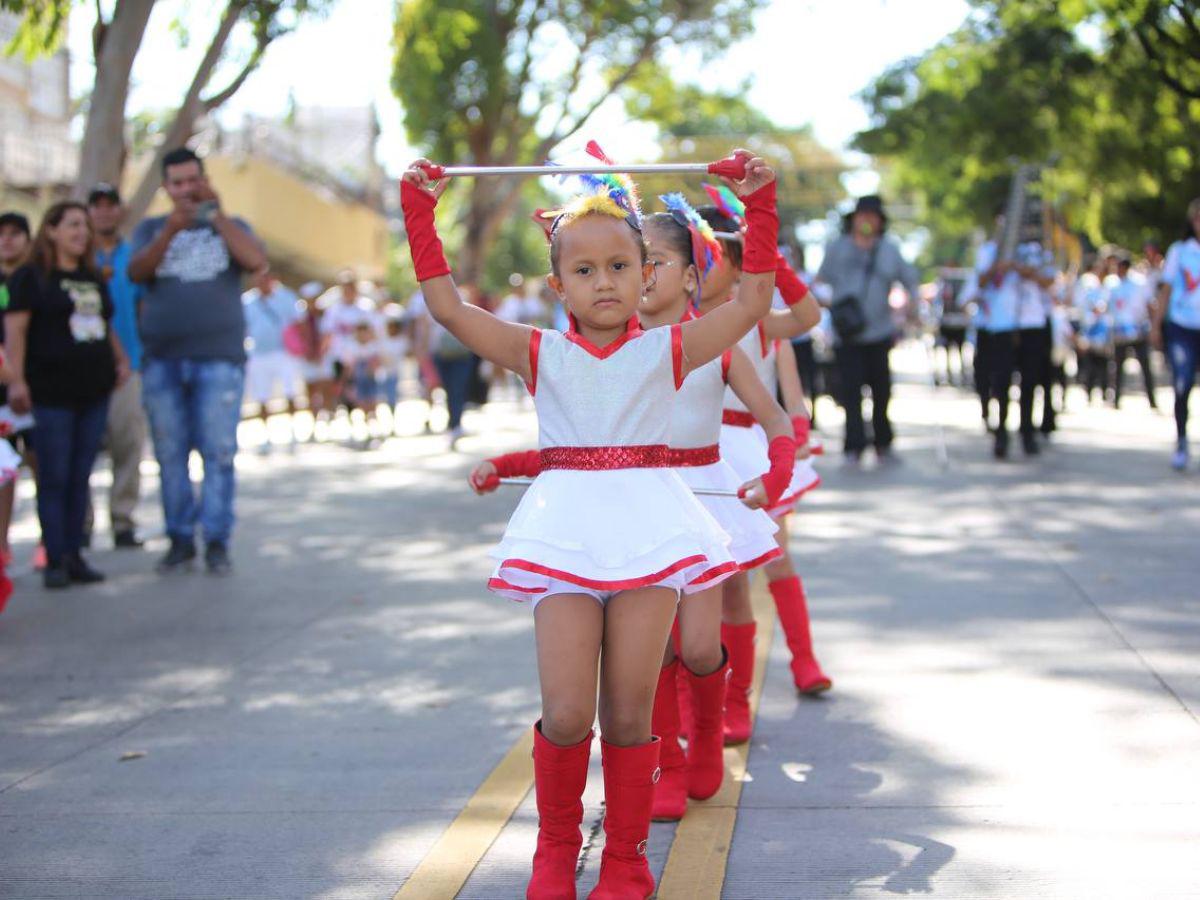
(429, 260)
(782, 454)
(527, 464)
(791, 286)
(760, 243)
(801, 428)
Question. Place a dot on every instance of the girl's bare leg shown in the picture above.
(569, 629)
(700, 631)
(735, 600)
(637, 626)
(782, 567)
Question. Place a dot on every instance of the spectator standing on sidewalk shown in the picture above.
(15, 242)
(65, 361)
(191, 263)
(861, 266)
(316, 366)
(271, 370)
(125, 435)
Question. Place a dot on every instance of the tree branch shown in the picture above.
(217, 99)
(1160, 67)
(555, 138)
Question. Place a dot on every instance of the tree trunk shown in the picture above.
(102, 153)
(189, 111)
(492, 201)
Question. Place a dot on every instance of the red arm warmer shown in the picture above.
(791, 286)
(760, 244)
(802, 428)
(429, 260)
(527, 464)
(782, 454)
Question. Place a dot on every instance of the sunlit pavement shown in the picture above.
(1015, 649)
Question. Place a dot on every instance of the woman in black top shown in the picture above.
(66, 361)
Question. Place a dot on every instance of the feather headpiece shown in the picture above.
(706, 249)
(727, 202)
(610, 194)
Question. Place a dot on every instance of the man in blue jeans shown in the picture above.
(191, 263)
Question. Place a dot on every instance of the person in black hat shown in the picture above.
(125, 436)
(860, 267)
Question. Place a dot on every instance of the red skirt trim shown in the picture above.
(728, 568)
(696, 456)
(769, 556)
(624, 584)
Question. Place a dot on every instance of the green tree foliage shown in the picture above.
(1036, 81)
(505, 81)
(696, 124)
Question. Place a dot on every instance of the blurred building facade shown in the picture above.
(38, 158)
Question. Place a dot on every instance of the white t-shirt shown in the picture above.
(1130, 304)
(393, 350)
(340, 322)
(516, 308)
(1182, 272)
(357, 352)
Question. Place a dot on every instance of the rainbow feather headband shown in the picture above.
(610, 194)
(727, 202)
(706, 249)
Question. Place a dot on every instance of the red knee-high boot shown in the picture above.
(559, 777)
(706, 748)
(793, 616)
(739, 644)
(629, 777)
(670, 794)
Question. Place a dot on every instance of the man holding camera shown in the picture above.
(191, 263)
(860, 267)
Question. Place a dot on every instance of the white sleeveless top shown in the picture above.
(616, 396)
(762, 357)
(696, 417)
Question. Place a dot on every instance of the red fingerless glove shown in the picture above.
(791, 286)
(527, 464)
(802, 428)
(782, 454)
(429, 260)
(760, 243)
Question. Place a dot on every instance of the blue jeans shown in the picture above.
(1183, 353)
(194, 404)
(455, 372)
(67, 439)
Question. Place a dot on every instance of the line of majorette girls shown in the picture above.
(664, 383)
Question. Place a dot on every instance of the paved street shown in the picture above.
(1015, 649)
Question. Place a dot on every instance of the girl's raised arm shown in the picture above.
(706, 338)
(502, 343)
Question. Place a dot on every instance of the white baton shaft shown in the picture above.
(644, 169)
(700, 492)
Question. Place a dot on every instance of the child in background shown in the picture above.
(361, 360)
(395, 347)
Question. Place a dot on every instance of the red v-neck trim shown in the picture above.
(632, 329)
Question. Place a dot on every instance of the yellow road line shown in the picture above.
(695, 867)
(450, 862)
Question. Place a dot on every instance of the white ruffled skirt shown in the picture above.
(746, 450)
(10, 462)
(751, 531)
(610, 531)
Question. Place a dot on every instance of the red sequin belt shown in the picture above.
(695, 456)
(737, 418)
(596, 459)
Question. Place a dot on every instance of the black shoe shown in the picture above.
(79, 571)
(55, 578)
(1029, 444)
(216, 558)
(1000, 449)
(179, 558)
(127, 540)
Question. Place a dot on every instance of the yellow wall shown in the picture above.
(309, 233)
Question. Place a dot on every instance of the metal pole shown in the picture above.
(699, 492)
(645, 169)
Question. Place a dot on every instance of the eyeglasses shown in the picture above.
(664, 263)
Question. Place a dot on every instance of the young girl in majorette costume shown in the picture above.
(683, 251)
(743, 448)
(608, 535)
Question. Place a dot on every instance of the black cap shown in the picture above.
(103, 191)
(17, 221)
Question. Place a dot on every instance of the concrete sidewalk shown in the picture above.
(1015, 649)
